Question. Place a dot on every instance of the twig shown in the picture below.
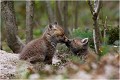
(105, 28)
(97, 6)
(94, 41)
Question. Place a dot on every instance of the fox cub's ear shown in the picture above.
(84, 41)
(50, 26)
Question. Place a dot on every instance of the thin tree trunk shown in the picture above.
(8, 14)
(105, 28)
(59, 16)
(29, 20)
(76, 14)
(49, 11)
(97, 36)
(95, 11)
(0, 43)
(65, 16)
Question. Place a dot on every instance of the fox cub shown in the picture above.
(42, 49)
(78, 46)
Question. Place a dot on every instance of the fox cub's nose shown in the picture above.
(66, 39)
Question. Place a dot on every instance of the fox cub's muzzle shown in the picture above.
(64, 39)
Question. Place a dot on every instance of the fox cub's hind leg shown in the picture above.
(48, 59)
(37, 58)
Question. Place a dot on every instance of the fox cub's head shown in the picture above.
(56, 33)
(78, 46)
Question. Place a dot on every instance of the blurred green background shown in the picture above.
(85, 22)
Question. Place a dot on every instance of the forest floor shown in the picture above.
(64, 67)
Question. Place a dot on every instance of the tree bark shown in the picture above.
(76, 14)
(97, 36)
(65, 17)
(29, 20)
(49, 11)
(95, 11)
(59, 16)
(105, 28)
(0, 43)
(13, 41)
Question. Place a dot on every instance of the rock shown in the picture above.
(8, 62)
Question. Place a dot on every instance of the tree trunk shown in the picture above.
(49, 11)
(95, 11)
(8, 14)
(29, 20)
(97, 6)
(0, 43)
(76, 14)
(59, 16)
(65, 17)
(97, 36)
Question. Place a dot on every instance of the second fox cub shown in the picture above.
(78, 46)
(42, 49)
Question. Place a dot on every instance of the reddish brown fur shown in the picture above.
(77, 46)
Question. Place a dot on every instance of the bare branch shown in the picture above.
(91, 7)
(105, 28)
(97, 6)
(94, 39)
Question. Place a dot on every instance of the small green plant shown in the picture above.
(76, 59)
(113, 35)
(83, 33)
(62, 48)
(104, 49)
